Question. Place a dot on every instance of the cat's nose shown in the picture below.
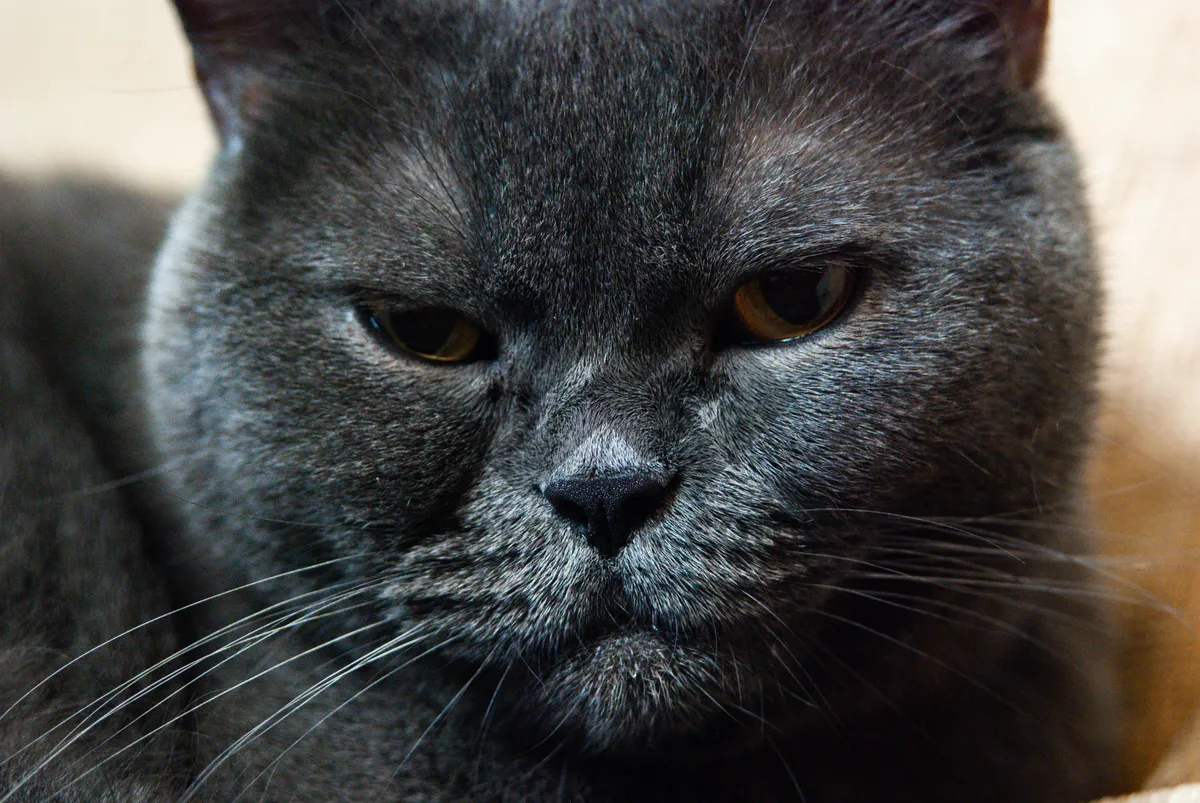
(610, 506)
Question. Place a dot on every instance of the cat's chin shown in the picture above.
(630, 691)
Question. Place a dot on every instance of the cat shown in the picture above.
(581, 401)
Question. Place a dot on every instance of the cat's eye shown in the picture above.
(790, 303)
(437, 335)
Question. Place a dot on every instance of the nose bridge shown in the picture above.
(604, 451)
(601, 419)
(607, 478)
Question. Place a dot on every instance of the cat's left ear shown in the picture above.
(236, 46)
(1020, 27)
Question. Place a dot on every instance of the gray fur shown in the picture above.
(870, 578)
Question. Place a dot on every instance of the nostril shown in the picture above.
(642, 505)
(569, 510)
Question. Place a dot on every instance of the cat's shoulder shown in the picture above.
(74, 567)
(75, 257)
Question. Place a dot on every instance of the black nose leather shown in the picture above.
(609, 506)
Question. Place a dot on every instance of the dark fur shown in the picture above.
(869, 581)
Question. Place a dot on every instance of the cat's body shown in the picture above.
(611, 552)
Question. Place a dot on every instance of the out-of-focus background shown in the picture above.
(105, 86)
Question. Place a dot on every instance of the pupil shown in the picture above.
(796, 296)
(424, 331)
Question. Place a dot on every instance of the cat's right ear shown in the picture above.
(236, 44)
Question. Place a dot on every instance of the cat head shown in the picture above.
(628, 350)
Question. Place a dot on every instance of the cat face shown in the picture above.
(463, 306)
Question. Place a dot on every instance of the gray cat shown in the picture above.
(564, 401)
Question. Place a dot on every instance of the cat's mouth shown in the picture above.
(665, 644)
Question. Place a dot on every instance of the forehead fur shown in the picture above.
(551, 151)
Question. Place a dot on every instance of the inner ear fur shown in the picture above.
(1019, 28)
(1025, 23)
(235, 46)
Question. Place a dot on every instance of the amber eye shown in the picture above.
(786, 304)
(439, 335)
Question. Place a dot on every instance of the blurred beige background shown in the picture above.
(106, 85)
